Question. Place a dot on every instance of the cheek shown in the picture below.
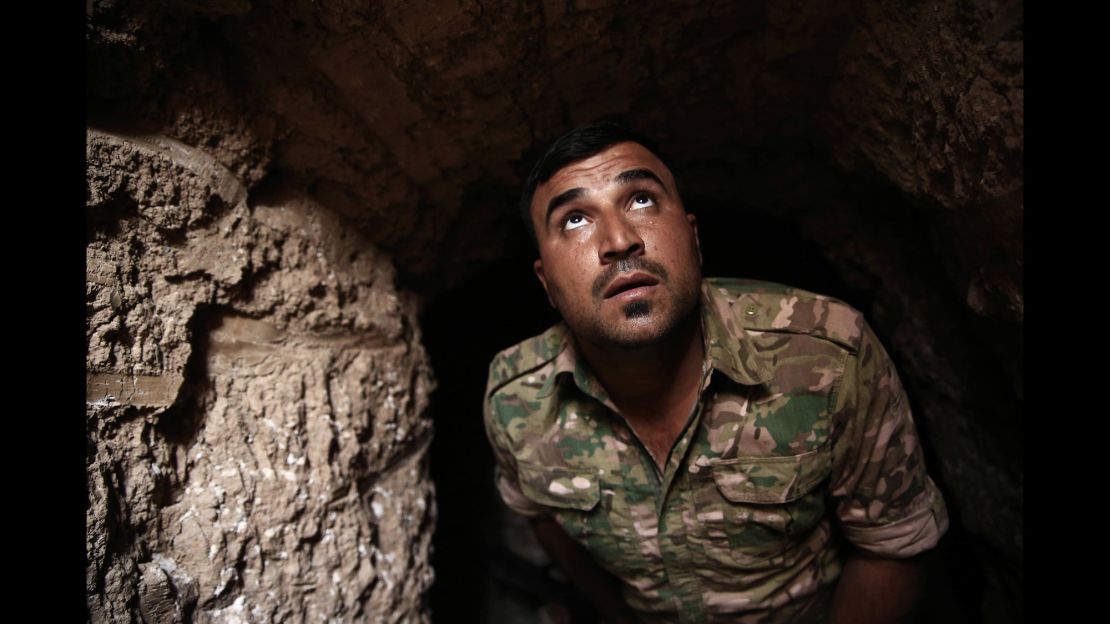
(672, 244)
(561, 278)
(571, 266)
(553, 290)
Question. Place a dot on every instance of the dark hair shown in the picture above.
(578, 144)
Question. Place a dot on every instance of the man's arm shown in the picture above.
(887, 506)
(599, 587)
(875, 590)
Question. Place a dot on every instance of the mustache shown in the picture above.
(627, 265)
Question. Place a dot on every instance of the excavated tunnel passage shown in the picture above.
(302, 253)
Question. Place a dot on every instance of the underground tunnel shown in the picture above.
(302, 252)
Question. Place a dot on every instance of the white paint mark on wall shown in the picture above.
(226, 575)
(188, 514)
(107, 401)
(231, 614)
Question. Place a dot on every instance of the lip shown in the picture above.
(629, 283)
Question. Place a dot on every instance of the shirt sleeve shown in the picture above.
(505, 471)
(886, 503)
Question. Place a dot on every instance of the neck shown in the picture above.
(652, 377)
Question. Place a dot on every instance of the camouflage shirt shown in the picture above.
(801, 440)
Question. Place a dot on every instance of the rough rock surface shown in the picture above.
(931, 97)
(256, 403)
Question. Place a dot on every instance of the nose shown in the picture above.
(619, 240)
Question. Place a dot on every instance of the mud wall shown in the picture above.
(256, 403)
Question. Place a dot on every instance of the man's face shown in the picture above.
(619, 256)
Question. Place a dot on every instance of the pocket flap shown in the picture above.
(769, 480)
(559, 487)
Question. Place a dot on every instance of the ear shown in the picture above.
(697, 242)
(537, 266)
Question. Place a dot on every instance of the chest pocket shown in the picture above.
(574, 498)
(752, 511)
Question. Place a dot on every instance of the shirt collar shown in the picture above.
(725, 326)
(728, 346)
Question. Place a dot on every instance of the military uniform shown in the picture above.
(801, 439)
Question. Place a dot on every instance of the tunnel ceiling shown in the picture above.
(416, 119)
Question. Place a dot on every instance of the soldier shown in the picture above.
(690, 450)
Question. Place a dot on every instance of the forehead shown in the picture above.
(597, 171)
(602, 167)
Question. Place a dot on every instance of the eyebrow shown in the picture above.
(624, 177)
(632, 175)
(562, 198)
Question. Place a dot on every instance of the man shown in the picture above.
(699, 451)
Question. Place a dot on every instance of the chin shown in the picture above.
(636, 324)
(639, 329)
(637, 309)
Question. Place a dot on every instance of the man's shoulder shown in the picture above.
(526, 359)
(762, 306)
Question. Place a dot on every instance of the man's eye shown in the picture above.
(643, 201)
(574, 221)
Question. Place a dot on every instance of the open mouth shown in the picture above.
(626, 283)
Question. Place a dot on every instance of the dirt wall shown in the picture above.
(256, 403)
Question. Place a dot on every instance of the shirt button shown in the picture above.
(750, 311)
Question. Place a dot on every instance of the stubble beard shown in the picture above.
(637, 309)
(647, 323)
(642, 323)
